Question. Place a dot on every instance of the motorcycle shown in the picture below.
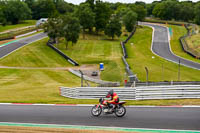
(119, 110)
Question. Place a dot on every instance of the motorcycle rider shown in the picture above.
(114, 99)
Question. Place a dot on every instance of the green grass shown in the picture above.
(38, 86)
(98, 49)
(38, 54)
(23, 24)
(179, 31)
(194, 42)
(41, 86)
(140, 56)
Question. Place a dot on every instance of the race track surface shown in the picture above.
(161, 46)
(155, 118)
(7, 49)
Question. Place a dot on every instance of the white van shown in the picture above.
(41, 21)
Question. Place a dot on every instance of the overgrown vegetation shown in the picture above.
(194, 42)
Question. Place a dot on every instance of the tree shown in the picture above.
(43, 9)
(3, 20)
(102, 15)
(197, 13)
(30, 3)
(86, 17)
(54, 28)
(167, 10)
(91, 3)
(71, 29)
(16, 11)
(141, 12)
(130, 20)
(63, 7)
(186, 11)
(113, 27)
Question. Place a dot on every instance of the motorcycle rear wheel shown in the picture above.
(120, 111)
(96, 111)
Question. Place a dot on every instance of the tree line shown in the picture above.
(67, 20)
(13, 11)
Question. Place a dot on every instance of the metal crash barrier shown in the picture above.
(134, 93)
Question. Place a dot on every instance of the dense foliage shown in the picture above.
(95, 15)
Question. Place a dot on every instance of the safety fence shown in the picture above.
(136, 84)
(131, 75)
(134, 93)
(50, 44)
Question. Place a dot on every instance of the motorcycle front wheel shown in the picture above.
(120, 111)
(96, 111)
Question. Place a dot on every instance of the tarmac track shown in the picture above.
(161, 46)
(155, 118)
(7, 49)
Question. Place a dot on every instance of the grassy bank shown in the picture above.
(37, 54)
(23, 24)
(98, 49)
(179, 31)
(194, 42)
(141, 56)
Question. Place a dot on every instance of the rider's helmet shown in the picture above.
(110, 93)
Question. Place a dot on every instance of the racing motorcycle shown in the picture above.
(119, 110)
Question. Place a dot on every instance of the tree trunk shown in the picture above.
(66, 44)
(83, 33)
(90, 30)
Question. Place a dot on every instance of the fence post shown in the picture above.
(147, 75)
(179, 70)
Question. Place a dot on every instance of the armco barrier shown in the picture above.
(135, 93)
(50, 44)
(185, 45)
(136, 84)
(96, 92)
(77, 73)
(131, 75)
